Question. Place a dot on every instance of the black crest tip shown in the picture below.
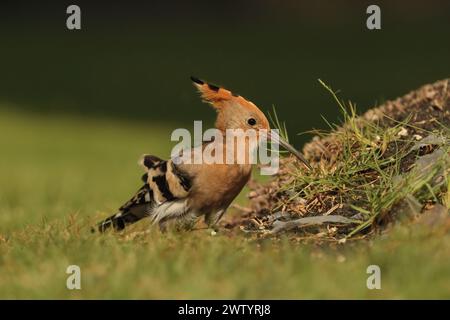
(213, 87)
(197, 80)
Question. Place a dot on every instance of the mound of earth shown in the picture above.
(389, 163)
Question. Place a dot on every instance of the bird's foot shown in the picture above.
(213, 230)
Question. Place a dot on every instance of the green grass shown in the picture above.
(60, 175)
(366, 174)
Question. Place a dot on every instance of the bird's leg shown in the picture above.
(162, 226)
(187, 222)
(212, 220)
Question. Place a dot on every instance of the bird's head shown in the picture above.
(233, 111)
(236, 112)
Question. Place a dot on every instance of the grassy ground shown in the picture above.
(390, 164)
(60, 175)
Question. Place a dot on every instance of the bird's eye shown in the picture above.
(251, 121)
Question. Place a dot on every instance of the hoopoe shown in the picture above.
(183, 192)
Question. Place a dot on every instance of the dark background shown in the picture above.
(132, 60)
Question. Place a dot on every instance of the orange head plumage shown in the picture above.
(236, 112)
(233, 111)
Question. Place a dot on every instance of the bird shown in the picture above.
(181, 193)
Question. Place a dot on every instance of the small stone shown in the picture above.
(252, 194)
(403, 132)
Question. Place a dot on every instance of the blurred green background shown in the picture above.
(133, 59)
(78, 108)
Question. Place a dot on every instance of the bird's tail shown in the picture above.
(138, 207)
(118, 221)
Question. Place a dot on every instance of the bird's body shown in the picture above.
(182, 192)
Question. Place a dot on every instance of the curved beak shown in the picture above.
(276, 138)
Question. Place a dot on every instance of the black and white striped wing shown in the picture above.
(166, 180)
(164, 183)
